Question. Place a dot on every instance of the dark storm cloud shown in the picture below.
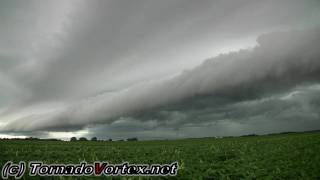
(104, 38)
(214, 91)
(71, 65)
(296, 109)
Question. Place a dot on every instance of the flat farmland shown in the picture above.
(281, 156)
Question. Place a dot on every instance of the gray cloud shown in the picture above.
(77, 64)
(78, 46)
(208, 92)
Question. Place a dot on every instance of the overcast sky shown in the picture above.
(158, 68)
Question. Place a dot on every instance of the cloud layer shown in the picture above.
(138, 68)
(275, 81)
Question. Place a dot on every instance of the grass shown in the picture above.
(282, 156)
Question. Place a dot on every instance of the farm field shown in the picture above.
(281, 156)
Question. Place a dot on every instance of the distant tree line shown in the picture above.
(31, 139)
(96, 139)
(136, 139)
(71, 139)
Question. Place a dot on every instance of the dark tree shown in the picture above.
(94, 139)
(73, 139)
(132, 139)
(32, 138)
(52, 139)
(83, 139)
(110, 139)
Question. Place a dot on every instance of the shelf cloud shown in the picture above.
(154, 69)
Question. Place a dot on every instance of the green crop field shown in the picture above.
(283, 156)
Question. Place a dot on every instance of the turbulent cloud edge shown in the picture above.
(292, 55)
